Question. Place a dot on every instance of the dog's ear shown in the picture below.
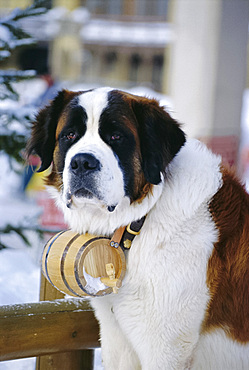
(161, 137)
(42, 141)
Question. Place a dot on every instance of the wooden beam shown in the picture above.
(36, 329)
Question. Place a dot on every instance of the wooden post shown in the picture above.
(76, 360)
(48, 292)
(66, 361)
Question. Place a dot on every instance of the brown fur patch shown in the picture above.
(141, 186)
(61, 123)
(55, 178)
(228, 267)
(139, 180)
(136, 163)
(148, 188)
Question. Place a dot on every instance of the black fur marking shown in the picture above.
(114, 131)
(76, 125)
(160, 137)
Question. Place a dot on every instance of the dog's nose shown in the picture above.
(84, 162)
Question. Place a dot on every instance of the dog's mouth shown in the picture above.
(79, 193)
(86, 194)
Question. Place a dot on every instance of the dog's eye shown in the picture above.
(115, 137)
(71, 136)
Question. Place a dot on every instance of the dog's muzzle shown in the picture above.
(86, 180)
(84, 169)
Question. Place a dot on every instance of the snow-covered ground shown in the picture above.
(20, 266)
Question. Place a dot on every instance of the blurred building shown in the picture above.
(114, 42)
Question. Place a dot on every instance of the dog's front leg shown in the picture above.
(163, 331)
(161, 345)
(117, 352)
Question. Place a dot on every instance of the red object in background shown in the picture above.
(245, 158)
(226, 146)
(51, 217)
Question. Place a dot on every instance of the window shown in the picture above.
(103, 6)
(152, 7)
(157, 71)
(135, 64)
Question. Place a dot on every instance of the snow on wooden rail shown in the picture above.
(35, 329)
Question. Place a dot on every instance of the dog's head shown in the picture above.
(104, 145)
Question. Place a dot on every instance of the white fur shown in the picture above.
(154, 321)
(216, 351)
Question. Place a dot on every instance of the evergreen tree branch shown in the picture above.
(19, 230)
(16, 36)
(37, 8)
(13, 138)
(16, 31)
(8, 77)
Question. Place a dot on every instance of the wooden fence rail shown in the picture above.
(47, 327)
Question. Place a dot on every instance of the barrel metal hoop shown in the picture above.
(77, 259)
(63, 263)
(46, 258)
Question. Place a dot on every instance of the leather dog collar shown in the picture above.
(124, 235)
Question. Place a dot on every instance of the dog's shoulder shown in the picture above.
(193, 177)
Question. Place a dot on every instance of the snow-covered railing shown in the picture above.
(63, 327)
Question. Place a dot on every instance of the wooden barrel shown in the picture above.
(81, 265)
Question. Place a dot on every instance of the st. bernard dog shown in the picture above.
(184, 302)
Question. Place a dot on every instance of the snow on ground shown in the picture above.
(21, 364)
(19, 283)
(19, 278)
